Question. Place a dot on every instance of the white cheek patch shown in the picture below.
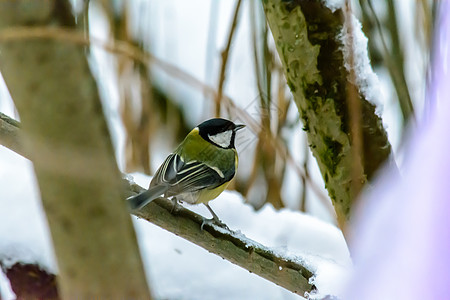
(222, 139)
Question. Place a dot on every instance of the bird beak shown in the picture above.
(239, 126)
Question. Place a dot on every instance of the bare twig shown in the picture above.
(305, 167)
(268, 156)
(394, 61)
(211, 47)
(354, 110)
(256, 58)
(225, 55)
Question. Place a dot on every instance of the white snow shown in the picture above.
(355, 44)
(5, 288)
(177, 268)
(24, 233)
(291, 234)
(333, 4)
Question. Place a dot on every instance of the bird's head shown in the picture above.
(220, 132)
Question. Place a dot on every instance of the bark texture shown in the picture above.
(31, 282)
(66, 137)
(306, 34)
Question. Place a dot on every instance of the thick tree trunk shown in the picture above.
(67, 138)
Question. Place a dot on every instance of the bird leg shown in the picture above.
(215, 219)
(175, 204)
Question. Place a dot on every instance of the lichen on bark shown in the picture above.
(306, 35)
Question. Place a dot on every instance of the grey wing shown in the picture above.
(188, 177)
(175, 177)
(160, 184)
(167, 172)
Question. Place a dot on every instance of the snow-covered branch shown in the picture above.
(311, 41)
(290, 273)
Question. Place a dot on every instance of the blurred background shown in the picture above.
(175, 63)
(163, 67)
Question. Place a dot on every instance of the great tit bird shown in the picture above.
(199, 169)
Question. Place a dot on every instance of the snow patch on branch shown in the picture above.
(333, 5)
(354, 43)
(24, 234)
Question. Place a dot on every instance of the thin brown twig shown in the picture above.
(124, 48)
(288, 157)
(354, 110)
(267, 155)
(225, 54)
(255, 47)
(397, 74)
(254, 172)
(284, 102)
(210, 47)
(305, 167)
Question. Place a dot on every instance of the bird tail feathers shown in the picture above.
(144, 198)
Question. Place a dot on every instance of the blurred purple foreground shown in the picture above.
(401, 238)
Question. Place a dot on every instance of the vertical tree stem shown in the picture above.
(65, 133)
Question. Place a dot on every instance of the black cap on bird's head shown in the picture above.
(220, 132)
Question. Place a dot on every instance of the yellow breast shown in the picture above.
(208, 195)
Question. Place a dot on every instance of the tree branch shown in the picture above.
(225, 54)
(10, 135)
(30, 281)
(306, 35)
(230, 245)
(289, 273)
